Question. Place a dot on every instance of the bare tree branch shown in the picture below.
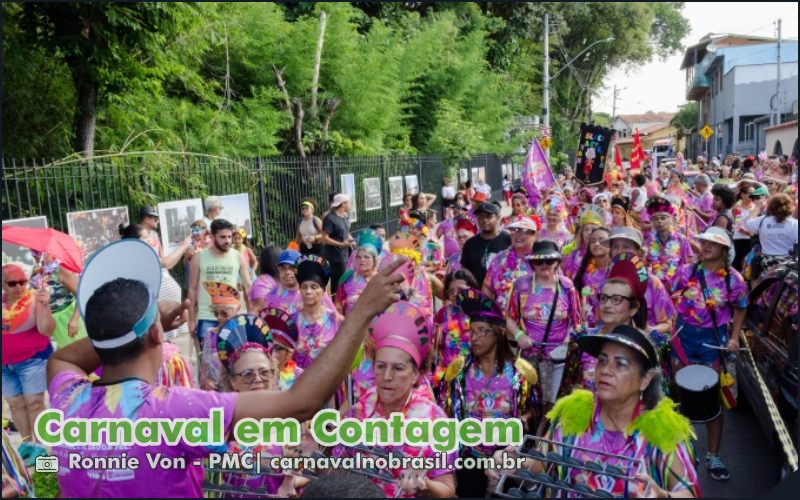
(282, 85)
(330, 109)
(323, 20)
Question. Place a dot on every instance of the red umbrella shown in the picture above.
(55, 243)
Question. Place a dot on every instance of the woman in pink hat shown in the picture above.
(512, 263)
(402, 337)
(488, 385)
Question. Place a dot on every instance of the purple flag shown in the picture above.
(536, 173)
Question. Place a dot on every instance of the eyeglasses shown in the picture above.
(481, 332)
(545, 262)
(526, 232)
(769, 183)
(12, 284)
(615, 299)
(249, 376)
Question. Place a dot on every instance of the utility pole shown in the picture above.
(778, 85)
(614, 117)
(546, 83)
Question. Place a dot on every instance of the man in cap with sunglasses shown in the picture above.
(148, 217)
(122, 316)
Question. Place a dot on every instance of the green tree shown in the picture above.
(106, 47)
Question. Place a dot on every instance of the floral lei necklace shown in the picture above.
(671, 255)
(12, 313)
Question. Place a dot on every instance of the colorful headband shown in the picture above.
(281, 326)
(242, 333)
(659, 204)
(479, 308)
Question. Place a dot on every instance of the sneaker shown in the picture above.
(716, 468)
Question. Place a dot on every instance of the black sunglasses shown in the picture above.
(546, 262)
(12, 284)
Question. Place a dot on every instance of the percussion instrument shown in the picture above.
(698, 391)
(524, 484)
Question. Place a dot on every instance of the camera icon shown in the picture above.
(46, 464)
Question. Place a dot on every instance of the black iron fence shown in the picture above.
(275, 185)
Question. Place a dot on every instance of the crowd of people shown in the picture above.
(573, 315)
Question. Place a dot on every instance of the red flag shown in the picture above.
(637, 153)
(617, 156)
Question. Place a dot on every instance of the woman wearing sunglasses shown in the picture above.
(309, 231)
(27, 327)
(512, 263)
(544, 308)
(591, 274)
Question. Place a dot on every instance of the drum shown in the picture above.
(698, 390)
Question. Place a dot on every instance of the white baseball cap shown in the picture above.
(339, 199)
(131, 259)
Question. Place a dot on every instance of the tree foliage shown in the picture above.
(406, 77)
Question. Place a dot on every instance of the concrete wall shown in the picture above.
(787, 137)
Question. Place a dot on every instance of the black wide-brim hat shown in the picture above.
(626, 335)
(544, 250)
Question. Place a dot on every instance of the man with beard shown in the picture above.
(212, 266)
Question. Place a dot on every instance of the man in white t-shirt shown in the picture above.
(776, 238)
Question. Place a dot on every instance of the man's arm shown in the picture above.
(194, 281)
(81, 358)
(244, 277)
(321, 380)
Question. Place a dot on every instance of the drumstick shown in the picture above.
(719, 348)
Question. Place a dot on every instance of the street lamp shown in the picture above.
(547, 78)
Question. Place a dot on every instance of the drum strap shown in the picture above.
(702, 277)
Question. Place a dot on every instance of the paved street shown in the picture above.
(753, 463)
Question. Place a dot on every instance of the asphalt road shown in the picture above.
(753, 463)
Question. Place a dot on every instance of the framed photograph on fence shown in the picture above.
(236, 209)
(94, 229)
(412, 184)
(15, 253)
(474, 175)
(349, 188)
(482, 173)
(176, 221)
(463, 175)
(372, 193)
(395, 191)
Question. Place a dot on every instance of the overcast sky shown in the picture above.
(660, 85)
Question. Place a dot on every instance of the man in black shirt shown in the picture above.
(336, 238)
(479, 250)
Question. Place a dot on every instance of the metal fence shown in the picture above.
(276, 185)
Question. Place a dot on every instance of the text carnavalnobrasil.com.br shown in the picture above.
(327, 428)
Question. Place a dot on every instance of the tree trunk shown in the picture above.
(285, 93)
(85, 119)
(323, 20)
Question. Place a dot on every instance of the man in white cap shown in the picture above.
(626, 243)
(512, 263)
(711, 303)
(121, 312)
(336, 238)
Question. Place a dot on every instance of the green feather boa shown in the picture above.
(662, 427)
